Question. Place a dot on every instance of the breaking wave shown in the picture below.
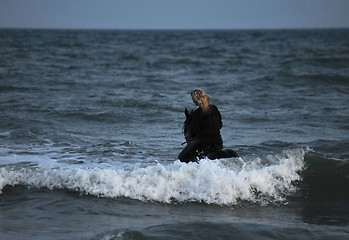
(223, 182)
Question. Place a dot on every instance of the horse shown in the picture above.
(211, 152)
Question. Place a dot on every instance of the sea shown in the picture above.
(91, 128)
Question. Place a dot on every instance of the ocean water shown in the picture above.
(91, 127)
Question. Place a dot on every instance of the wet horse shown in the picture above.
(211, 152)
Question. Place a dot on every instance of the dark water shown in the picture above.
(90, 130)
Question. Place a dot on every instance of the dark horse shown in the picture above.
(211, 152)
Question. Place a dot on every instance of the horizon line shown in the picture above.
(171, 29)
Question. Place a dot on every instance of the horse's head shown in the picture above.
(186, 125)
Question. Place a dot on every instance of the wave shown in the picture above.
(223, 230)
(326, 178)
(222, 182)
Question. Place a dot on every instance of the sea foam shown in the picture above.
(223, 182)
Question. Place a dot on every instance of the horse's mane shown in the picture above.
(186, 124)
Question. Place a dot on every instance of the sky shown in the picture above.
(174, 14)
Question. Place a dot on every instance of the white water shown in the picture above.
(223, 182)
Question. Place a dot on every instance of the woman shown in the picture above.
(204, 129)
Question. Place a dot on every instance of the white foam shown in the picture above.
(217, 182)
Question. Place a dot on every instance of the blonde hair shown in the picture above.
(201, 99)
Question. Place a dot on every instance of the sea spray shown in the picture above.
(213, 182)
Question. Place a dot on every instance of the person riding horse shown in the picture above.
(202, 131)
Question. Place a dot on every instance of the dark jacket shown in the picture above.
(206, 126)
